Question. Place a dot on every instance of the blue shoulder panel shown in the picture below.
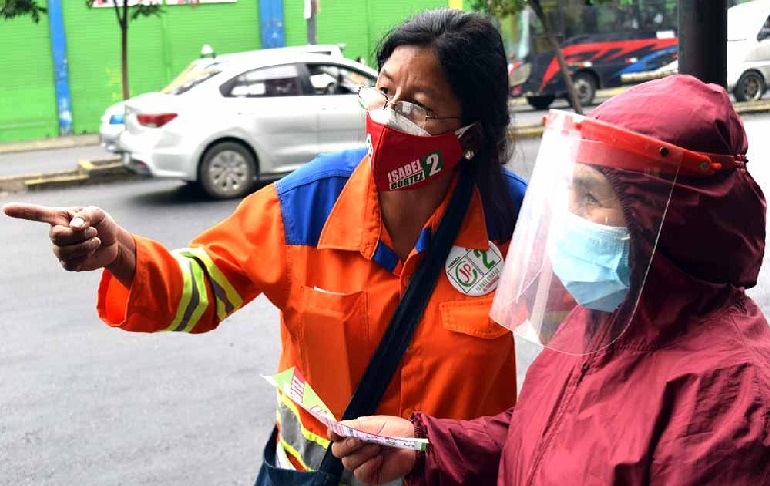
(516, 189)
(308, 194)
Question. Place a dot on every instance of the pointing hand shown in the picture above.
(83, 238)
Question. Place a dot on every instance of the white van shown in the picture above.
(748, 49)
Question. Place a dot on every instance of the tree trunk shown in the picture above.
(124, 58)
(122, 15)
(535, 4)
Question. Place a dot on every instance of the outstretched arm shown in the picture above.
(84, 239)
(459, 451)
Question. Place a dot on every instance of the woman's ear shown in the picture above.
(472, 139)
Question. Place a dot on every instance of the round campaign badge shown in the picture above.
(474, 272)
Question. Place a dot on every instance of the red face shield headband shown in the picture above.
(610, 146)
(404, 161)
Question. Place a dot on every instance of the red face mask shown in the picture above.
(404, 161)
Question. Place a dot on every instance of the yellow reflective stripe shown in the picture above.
(187, 290)
(194, 299)
(307, 434)
(200, 282)
(227, 298)
(294, 453)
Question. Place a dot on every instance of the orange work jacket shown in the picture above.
(315, 245)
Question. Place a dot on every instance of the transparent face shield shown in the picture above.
(576, 265)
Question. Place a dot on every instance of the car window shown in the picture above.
(265, 82)
(333, 79)
(192, 80)
(764, 32)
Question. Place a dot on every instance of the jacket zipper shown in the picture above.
(557, 418)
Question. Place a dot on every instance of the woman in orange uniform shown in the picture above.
(335, 244)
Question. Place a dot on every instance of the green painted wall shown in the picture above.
(359, 24)
(27, 95)
(159, 48)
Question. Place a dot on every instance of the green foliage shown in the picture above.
(499, 8)
(16, 8)
(504, 8)
(146, 11)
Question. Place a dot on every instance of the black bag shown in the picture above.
(394, 342)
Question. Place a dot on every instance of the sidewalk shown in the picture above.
(111, 169)
(50, 143)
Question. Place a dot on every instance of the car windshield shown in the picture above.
(191, 80)
(192, 70)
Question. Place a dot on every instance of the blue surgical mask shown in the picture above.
(591, 261)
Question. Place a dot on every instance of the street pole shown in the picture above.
(310, 14)
(61, 66)
(703, 40)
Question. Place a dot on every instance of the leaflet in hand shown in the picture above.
(298, 390)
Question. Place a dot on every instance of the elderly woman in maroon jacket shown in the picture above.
(656, 364)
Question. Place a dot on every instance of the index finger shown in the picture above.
(42, 214)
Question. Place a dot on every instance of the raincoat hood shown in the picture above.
(713, 236)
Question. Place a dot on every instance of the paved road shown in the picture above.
(83, 404)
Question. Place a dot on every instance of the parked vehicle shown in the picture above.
(238, 122)
(112, 122)
(748, 53)
(600, 44)
(748, 49)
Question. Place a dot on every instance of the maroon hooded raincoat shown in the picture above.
(683, 396)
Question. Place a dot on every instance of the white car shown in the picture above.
(748, 50)
(247, 120)
(112, 122)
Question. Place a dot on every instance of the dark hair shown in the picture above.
(471, 54)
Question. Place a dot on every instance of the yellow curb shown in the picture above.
(752, 106)
(533, 132)
(85, 165)
(42, 181)
(36, 176)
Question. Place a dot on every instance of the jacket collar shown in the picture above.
(355, 221)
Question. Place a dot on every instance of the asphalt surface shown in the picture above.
(84, 404)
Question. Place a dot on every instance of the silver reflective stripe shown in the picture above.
(311, 453)
(195, 300)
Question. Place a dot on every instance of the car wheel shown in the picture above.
(750, 87)
(227, 170)
(585, 87)
(540, 102)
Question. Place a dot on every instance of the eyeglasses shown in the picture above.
(374, 99)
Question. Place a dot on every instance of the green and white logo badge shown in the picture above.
(474, 272)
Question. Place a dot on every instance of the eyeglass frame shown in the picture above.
(414, 106)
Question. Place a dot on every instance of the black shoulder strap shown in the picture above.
(399, 333)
